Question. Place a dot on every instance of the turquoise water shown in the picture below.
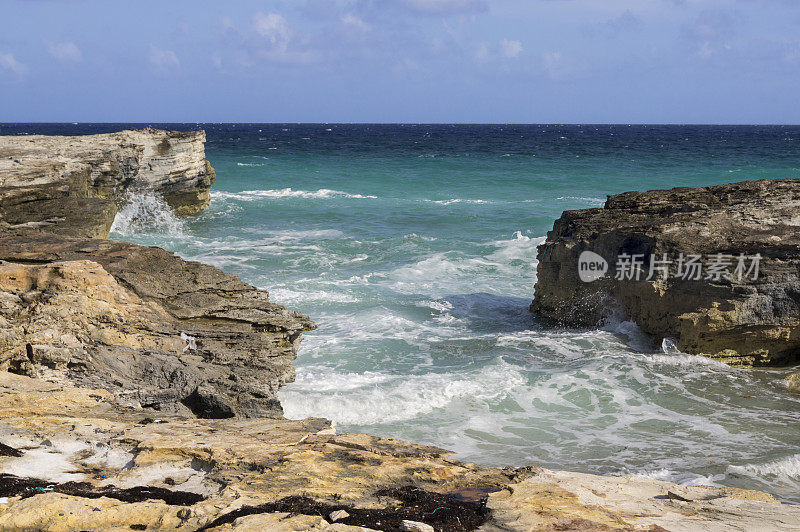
(414, 250)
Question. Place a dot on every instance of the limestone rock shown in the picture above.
(793, 382)
(415, 526)
(337, 515)
(72, 185)
(268, 474)
(742, 322)
(153, 329)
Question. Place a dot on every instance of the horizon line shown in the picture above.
(419, 123)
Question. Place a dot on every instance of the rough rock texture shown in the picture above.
(155, 330)
(793, 382)
(291, 475)
(72, 185)
(744, 323)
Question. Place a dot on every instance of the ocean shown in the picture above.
(413, 247)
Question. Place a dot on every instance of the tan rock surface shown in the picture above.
(72, 184)
(82, 435)
(793, 382)
(155, 330)
(743, 322)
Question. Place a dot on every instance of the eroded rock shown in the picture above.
(280, 474)
(744, 322)
(72, 185)
(118, 316)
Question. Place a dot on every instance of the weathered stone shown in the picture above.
(337, 515)
(793, 382)
(84, 435)
(72, 185)
(415, 526)
(742, 322)
(121, 321)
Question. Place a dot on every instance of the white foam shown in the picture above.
(147, 212)
(501, 271)
(684, 478)
(249, 164)
(458, 200)
(253, 195)
(589, 200)
(284, 295)
(372, 398)
(788, 467)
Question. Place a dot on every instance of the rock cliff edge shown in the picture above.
(716, 268)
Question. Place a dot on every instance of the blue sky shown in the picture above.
(543, 61)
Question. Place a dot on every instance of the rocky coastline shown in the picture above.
(716, 269)
(138, 390)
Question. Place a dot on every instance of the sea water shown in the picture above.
(413, 247)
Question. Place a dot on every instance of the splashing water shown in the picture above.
(419, 272)
(147, 213)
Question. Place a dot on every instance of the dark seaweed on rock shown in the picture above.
(6, 450)
(13, 486)
(444, 512)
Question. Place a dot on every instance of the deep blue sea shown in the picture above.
(413, 247)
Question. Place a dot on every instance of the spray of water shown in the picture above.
(148, 213)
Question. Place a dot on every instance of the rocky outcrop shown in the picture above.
(151, 328)
(77, 459)
(138, 390)
(721, 307)
(72, 185)
(793, 382)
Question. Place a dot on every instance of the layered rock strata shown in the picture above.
(716, 268)
(72, 185)
(153, 329)
(139, 393)
(105, 466)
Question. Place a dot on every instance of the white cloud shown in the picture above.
(510, 49)
(226, 23)
(65, 51)
(482, 53)
(9, 62)
(274, 27)
(352, 21)
(554, 64)
(163, 60)
(446, 7)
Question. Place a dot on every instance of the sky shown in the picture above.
(445, 61)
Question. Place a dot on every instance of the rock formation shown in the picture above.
(742, 317)
(138, 390)
(75, 459)
(73, 184)
(144, 324)
(151, 328)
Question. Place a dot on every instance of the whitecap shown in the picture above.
(253, 195)
(457, 200)
(788, 467)
(589, 200)
(147, 212)
(372, 398)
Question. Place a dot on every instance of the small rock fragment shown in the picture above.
(794, 382)
(675, 497)
(415, 526)
(338, 515)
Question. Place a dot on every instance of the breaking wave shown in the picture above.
(252, 195)
(147, 212)
(784, 467)
(370, 398)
